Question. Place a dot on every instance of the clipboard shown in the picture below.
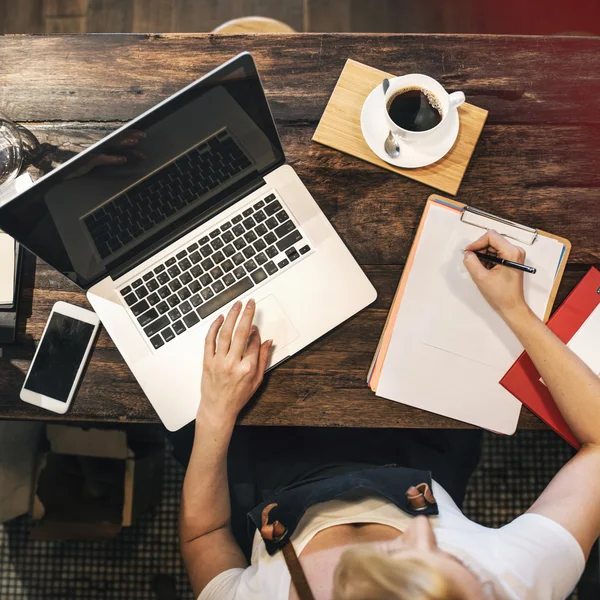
(477, 218)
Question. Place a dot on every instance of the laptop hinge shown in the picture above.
(178, 233)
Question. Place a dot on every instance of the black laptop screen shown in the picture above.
(148, 183)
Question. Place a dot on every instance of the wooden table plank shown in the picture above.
(116, 77)
(536, 162)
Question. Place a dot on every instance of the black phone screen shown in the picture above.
(61, 351)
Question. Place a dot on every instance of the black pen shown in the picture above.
(505, 263)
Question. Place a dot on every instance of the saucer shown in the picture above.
(412, 156)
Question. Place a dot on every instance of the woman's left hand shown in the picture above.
(234, 365)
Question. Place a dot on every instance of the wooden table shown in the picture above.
(537, 162)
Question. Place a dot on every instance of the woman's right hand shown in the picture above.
(501, 286)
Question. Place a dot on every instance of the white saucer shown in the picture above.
(412, 156)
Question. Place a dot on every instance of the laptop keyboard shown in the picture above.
(199, 279)
(164, 193)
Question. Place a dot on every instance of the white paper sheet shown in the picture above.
(435, 379)
(460, 320)
(7, 269)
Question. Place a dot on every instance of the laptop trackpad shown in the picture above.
(273, 323)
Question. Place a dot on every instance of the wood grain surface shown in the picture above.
(536, 163)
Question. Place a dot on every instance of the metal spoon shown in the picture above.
(391, 146)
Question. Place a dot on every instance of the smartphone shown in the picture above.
(60, 357)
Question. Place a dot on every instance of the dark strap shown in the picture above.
(419, 497)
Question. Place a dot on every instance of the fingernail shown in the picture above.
(254, 329)
(251, 303)
(237, 305)
(270, 342)
(121, 159)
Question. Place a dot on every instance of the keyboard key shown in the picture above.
(272, 223)
(238, 258)
(147, 317)
(173, 300)
(206, 250)
(250, 265)
(228, 250)
(131, 299)
(284, 263)
(238, 230)
(163, 278)
(292, 254)
(284, 229)
(147, 276)
(184, 264)
(272, 252)
(250, 237)
(260, 230)
(227, 237)
(240, 272)
(185, 307)
(259, 204)
(164, 292)
(203, 240)
(218, 286)
(239, 243)
(196, 300)
(152, 285)
(269, 198)
(205, 279)
(162, 308)
(282, 216)
(192, 247)
(154, 327)
(191, 319)
(249, 251)
(272, 208)
(168, 334)
(270, 268)
(175, 285)
(196, 271)
(226, 226)
(184, 293)
(289, 240)
(170, 262)
(217, 257)
(174, 270)
(213, 234)
(185, 278)
(174, 314)
(247, 212)
(270, 238)
(178, 327)
(157, 341)
(141, 292)
(226, 266)
(194, 287)
(153, 299)
(195, 257)
(207, 293)
(137, 283)
(216, 273)
(125, 291)
(304, 249)
(225, 297)
(217, 244)
(249, 223)
(260, 258)
(159, 269)
(259, 216)
(236, 219)
(207, 264)
(228, 279)
(259, 245)
(259, 275)
(181, 254)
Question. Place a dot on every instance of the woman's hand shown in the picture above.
(234, 365)
(501, 286)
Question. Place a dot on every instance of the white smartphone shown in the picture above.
(60, 357)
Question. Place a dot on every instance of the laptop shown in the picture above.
(173, 217)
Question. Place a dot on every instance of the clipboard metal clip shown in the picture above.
(510, 229)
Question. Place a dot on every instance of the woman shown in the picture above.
(358, 531)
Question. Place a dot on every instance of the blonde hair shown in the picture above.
(364, 574)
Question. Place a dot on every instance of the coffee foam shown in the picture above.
(431, 97)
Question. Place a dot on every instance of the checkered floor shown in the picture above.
(145, 558)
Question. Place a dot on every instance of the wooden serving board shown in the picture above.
(339, 128)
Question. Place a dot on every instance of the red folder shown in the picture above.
(522, 379)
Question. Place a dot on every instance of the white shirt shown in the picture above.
(531, 558)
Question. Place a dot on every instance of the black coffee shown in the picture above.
(415, 109)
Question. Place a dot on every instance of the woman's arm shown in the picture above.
(573, 497)
(232, 371)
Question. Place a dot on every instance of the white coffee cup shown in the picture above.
(448, 103)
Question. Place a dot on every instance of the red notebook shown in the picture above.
(522, 379)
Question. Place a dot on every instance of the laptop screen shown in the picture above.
(151, 181)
